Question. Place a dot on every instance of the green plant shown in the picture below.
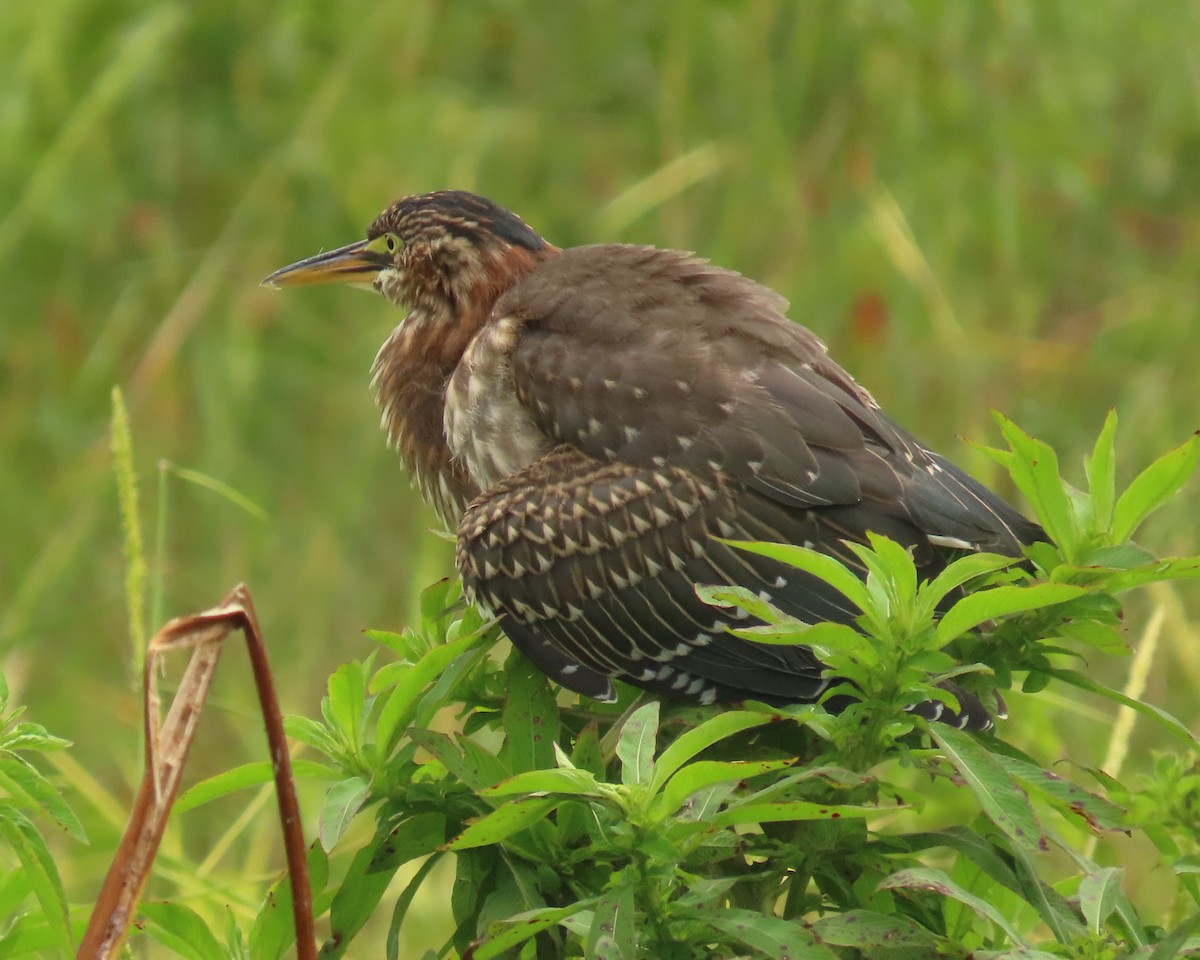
(33, 905)
(641, 829)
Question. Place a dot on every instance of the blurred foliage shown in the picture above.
(976, 205)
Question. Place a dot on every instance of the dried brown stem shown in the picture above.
(167, 743)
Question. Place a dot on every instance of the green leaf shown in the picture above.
(1160, 716)
(891, 569)
(30, 850)
(705, 773)
(530, 717)
(567, 781)
(1153, 487)
(475, 767)
(777, 811)
(961, 571)
(1066, 796)
(181, 929)
(770, 936)
(821, 637)
(727, 595)
(869, 932)
(401, 705)
(820, 565)
(982, 852)
(613, 931)
(700, 738)
(403, 902)
(1098, 893)
(937, 881)
(313, 733)
(342, 803)
(371, 872)
(247, 775)
(515, 930)
(504, 822)
(345, 705)
(273, 930)
(1058, 915)
(415, 836)
(635, 748)
(23, 781)
(1001, 601)
(1178, 568)
(1101, 475)
(1034, 470)
(1005, 803)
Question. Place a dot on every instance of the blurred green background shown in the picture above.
(977, 205)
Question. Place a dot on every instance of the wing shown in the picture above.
(650, 357)
(684, 406)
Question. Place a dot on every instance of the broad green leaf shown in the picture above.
(473, 765)
(1098, 892)
(247, 775)
(371, 872)
(891, 567)
(705, 773)
(820, 565)
(821, 637)
(346, 703)
(1002, 601)
(982, 852)
(726, 595)
(569, 781)
(769, 936)
(1153, 487)
(22, 780)
(273, 930)
(1178, 568)
(515, 930)
(403, 902)
(1057, 914)
(777, 811)
(30, 850)
(401, 705)
(961, 571)
(1168, 722)
(504, 822)
(635, 748)
(1100, 814)
(1005, 803)
(342, 803)
(181, 929)
(868, 932)
(937, 881)
(1034, 469)
(313, 733)
(1101, 474)
(700, 738)
(413, 837)
(530, 717)
(613, 934)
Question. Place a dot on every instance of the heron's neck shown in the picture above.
(410, 375)
(416, 362)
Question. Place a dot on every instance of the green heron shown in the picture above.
(591, 419)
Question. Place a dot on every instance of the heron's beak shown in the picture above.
(354, 263)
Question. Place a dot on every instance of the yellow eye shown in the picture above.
(386, 244)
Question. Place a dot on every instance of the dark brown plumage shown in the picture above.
(590, 419)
